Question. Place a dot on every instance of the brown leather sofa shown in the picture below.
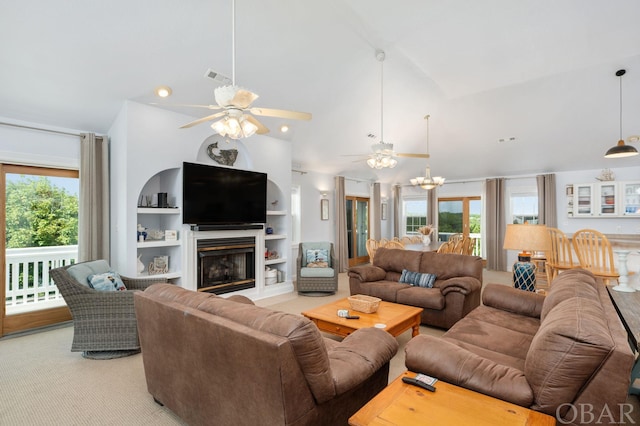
(455, 292)
(565, 354)
(214, 361)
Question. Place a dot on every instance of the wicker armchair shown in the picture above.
(314, 281)
(102, 321)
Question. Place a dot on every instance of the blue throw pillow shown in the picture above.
(109, 281)
(417, 279)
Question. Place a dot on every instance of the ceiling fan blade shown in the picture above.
(243, 99)
(280, 113)
(261, 128)
(397, 154)
(188, 105)
(203, 119)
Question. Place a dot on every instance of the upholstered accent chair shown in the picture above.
(316, 269)
(103, 321)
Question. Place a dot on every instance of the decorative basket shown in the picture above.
(362, 303)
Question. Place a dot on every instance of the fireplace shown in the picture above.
(226, 264)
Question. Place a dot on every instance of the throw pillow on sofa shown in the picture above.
(417, 278)
(109, 281)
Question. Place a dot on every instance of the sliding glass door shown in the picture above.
(39, 231)
(357, 229)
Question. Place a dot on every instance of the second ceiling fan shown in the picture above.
(234, 102)
(383, 155)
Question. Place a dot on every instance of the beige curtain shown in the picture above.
(342, 250)
(397, 203)
(432, 211)
(376, 213)
(547, 213)
(93, 212)
(496, 224)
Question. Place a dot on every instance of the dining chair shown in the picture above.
(394, 245)
(446, 247)
(371, 246)
(595, 254)
(560, 257)
(406, 240)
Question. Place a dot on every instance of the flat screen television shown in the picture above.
(222, 196)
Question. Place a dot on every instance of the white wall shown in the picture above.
(147, 140)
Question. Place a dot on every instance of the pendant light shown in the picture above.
(426, 181)
(621, 150)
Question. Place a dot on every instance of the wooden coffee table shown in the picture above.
(407, 405)
(392, 317)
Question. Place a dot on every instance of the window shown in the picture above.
(414, 214)
(523, 205)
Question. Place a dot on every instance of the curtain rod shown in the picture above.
(59, 132)
(408, 185)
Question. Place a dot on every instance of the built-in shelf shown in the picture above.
(275, 261)
(274, 236)
(159, 243)
(168, 275)
(276, 213)
(152, 210)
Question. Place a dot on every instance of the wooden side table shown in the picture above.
(400, 404)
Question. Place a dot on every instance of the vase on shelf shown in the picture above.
(140, 265)
(426, 240)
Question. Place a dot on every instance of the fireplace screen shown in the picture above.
(226, 265)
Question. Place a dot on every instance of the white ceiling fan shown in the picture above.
(235, 102)
(383, 155)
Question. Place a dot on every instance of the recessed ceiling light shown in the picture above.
(163, 91)
(284, 128)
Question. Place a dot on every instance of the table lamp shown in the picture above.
(527, 238)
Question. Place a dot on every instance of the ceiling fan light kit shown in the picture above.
(426, 181)
(621, 150)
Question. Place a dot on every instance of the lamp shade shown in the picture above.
(621, 150)
(527, 237)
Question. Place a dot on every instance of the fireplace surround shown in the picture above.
(226, 264)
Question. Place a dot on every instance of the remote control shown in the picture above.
(352, 317)
(415, 382)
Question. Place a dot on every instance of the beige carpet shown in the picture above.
(43, 383)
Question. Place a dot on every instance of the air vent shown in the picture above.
(217, 77)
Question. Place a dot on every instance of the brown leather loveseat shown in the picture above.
(565, 354)
(455, 291)
(215, 361)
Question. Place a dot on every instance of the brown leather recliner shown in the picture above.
(213, 360)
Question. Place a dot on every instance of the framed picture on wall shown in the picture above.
(324, 209)
(383, 211)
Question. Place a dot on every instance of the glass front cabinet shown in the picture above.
(604, 199)
(630, 195)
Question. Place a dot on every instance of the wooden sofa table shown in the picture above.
(402, 404)
(393, 317)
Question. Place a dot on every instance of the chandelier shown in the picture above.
(426, 181)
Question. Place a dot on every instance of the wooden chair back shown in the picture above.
(560, 257)
(595, 253)
(371, 246)
(394, 245)
(406, 240)
(446, 247)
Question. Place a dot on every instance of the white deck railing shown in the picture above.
(27, 283)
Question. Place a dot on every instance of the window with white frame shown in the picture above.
(523, 205)
(414, 214)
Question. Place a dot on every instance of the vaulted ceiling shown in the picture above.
(538, 74)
